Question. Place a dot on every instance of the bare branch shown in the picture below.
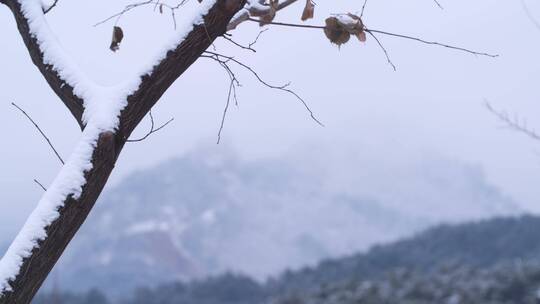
(234, 82)
(257, 38)
(516, 124)
(368, 30)
(46, 11)
(224, 59)
(363, 8)
(40, 131)
(433, 43)
(321, 27)
(40, 185)
(156, 3)
(530, 15)
(231, 87)
(384, 50)
(249, 47)
(438, 4)
(152, 128)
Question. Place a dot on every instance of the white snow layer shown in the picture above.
(250, 4)
(102, 107)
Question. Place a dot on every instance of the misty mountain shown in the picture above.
(202, 215)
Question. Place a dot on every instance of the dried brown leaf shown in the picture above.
(336, 32)
(355, 26)
(117, 37)
(269, 17)
(350, 23)
(309, 10)
(361, 36)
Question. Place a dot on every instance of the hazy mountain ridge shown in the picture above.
(493, 261)
(477, 244)
(203, 215)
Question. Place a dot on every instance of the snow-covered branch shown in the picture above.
(108, 115)
(62, 75)
(255, 8)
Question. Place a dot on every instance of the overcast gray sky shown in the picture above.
(432, 105)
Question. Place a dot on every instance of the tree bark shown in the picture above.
(38, 265)
(57, 84)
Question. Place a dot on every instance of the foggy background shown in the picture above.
(384, 130)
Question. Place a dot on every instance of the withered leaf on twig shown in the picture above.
(269, 17)
(309, 10)
(336, 32)
(340, 28)
(356, 27)
(117, 37)
(362, 36)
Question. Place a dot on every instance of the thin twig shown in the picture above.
(249, 47)
(234, 82)
(40, 131)
(152, 130)
(224, 62)
(432, 43)
(363, 9)
(222, 125)
(530, 15)
(289, 24)
(384, 50)
(284, 88)
(156, 3)
(40, 185)
(46, 11)
(515, 123)
(438, 4)
(257, 38)
(385, 33)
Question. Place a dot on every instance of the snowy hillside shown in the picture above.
(491, 261)
(206, 214)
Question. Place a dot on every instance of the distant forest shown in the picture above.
(491, 261)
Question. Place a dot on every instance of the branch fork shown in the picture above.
(107, 118)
